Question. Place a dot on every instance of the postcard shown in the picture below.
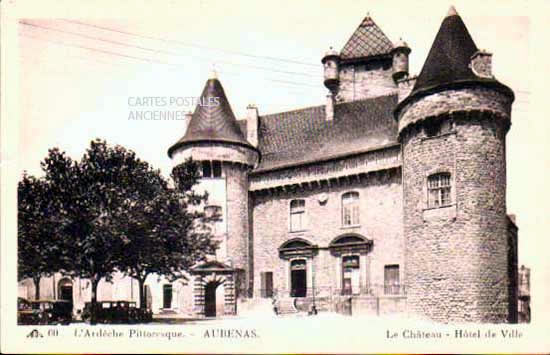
(287, 177)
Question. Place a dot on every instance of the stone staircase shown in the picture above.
(286, 306)
(167, 311)
(255, 306)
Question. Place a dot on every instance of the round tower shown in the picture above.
(331, 65)
(452, 128)
(400, 56)
(214, 139)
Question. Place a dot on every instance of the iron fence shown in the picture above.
(375, 290)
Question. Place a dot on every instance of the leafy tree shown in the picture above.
(118, 213)
(90, 192)
(39, 251)
(163, 231)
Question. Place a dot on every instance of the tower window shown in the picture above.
(297, 215)
(439, 190)
(433, 129)
(217, 168)
(350, 209)
(391, 279)
(206, 169)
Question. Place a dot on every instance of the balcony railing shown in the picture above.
(375, 290)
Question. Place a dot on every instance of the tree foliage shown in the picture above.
(162, 231)
(39, 251)
(114, 212)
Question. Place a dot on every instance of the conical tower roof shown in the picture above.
(448, 62)
(213, 120)
(368, 40)
(449, 58)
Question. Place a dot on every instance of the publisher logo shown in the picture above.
(35, 334)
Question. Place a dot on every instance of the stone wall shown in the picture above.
(455, 100)
(225, 152)
(404, 87)
(373, 160)
(237, 219)
(365, 80)
(513, 277)
(457, 256)
(380, 221)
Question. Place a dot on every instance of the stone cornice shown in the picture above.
(334, 171)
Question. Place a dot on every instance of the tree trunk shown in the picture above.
(36, 281)
(93, 315)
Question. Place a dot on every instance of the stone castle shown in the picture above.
(389, 198)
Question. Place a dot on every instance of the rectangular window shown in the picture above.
(217, 169)
(266, 279)
(206, 169)
(297, 215)
(391, 279)
(350, 209)
(439, 190)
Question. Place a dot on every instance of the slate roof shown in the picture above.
(448, 61)
(368, 40)
(304, 135)
(213, 120)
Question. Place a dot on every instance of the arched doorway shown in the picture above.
(65, 290)
(214, 289)
(298, 278)
(210, 299)
(298, 251)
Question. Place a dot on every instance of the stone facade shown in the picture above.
(467, 239)
(391, 199)
(380, 213)
(371, 79)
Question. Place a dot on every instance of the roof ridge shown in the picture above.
(369, 98)
(322, 105)
(294, 110)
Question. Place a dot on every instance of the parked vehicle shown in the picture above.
(23, 304)
(122, 312)
(42, 312)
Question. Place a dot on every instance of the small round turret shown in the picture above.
(214, 139)
(331, 63)
(400, 54)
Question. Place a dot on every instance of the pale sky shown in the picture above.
(80, 66)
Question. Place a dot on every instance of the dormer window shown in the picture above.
(439, 190)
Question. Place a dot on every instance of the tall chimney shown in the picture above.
(252, 124)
